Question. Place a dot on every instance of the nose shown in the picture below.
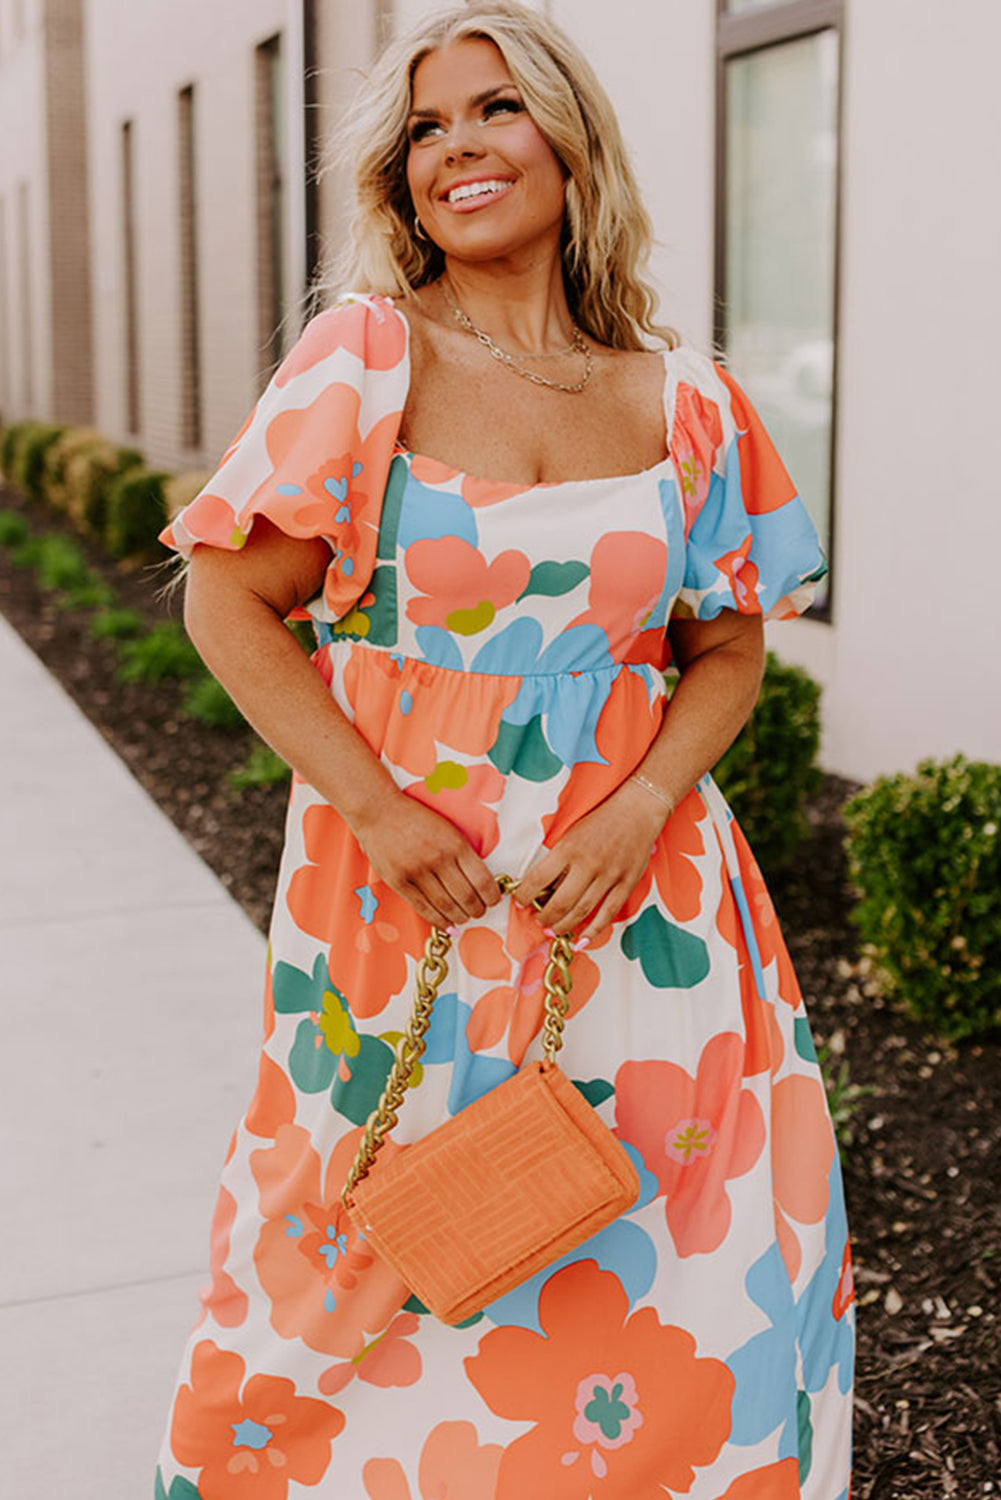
(460, 143)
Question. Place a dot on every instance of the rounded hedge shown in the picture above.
(135, 513)
(925, 858)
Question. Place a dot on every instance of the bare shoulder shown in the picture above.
(631, 373)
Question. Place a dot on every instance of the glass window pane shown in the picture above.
(781, 162)
(735, 5)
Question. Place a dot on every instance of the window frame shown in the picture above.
(739, 34)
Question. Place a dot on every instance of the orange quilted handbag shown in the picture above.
(514, 1181)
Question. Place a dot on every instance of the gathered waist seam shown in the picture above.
(420, 661)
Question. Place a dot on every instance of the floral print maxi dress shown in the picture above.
(500, 647)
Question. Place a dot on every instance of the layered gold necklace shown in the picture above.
(577, 345)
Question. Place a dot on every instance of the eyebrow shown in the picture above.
(475, 101)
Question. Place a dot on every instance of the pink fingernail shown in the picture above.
(452, 931)
(549, 932)
(581, 943)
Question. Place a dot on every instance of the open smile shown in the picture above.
(467, 197)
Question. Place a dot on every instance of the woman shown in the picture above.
(487, 697)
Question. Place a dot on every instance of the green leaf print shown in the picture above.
(552, 579)
(389, 520)
(804, 1039)
(669, 957)
(522, 749)
(805, 1434)
(595, 1090)
(181, 1489)
(295, 991)
(311, 1064)
(355, 1097)
(373, 619)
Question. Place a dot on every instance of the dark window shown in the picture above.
(270, 152)
(191, 391)
(131, 290)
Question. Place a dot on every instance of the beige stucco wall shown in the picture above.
(23, 158)
(139, 56)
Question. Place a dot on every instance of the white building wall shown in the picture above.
(23, 158)
(909, 663)
(139, 56)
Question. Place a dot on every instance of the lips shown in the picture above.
(475, 192)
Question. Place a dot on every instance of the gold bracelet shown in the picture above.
(657, 791)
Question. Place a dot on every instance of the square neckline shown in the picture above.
(408, 453)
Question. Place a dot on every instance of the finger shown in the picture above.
(437, 890)
(605, 913)
(462, 891)
(480, 880)
(424, 908)
(569, 903)
(541, 876)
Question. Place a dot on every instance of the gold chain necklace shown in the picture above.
(577, 346)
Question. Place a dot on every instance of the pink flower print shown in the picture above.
(694, 1135)
(627, 570)
(698, 432)
(465, 591)
(387, 1360)
(608, 1413)
(376, 335)
(453, 1463)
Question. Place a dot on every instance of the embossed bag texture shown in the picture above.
(513, 1182)
(510, 1184)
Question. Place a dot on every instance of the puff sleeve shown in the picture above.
(750, 544)
(313, 456)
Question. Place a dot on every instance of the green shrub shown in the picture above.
(59, 456)
(93, 593)
(208, 701)
(89, 473)
(29, 466)
(116, 625)
(60, 564)
(262, 767)
(135, 513)
(13, 529)
(770, 770)
(925, 857)
(164, 651)
(10, 444)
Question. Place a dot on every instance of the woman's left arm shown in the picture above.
(599, 861)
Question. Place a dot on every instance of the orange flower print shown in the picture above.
(325, 1286)
(249, 1444)
(621, 1405)
(627, 570)
(465, 591)
(742, 576)
(408, 711)
(518, 1005)
(461, 794)
(454, 1464)
(386, 1360)
(779, 1481)
(694, 1134)
(844, 1293)
(771, 944)
(803, 1149)
(379, 337)
(222, 1298)
(698, 432)
(764, 481)
(370, 934)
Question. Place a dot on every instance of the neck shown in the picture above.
(524, 308)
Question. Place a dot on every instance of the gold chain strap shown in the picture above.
(431, 971)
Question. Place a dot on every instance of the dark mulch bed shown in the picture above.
(922, 1171)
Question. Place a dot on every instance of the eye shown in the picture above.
(421, 129)
(509, 106)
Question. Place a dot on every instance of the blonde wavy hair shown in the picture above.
(607, 232)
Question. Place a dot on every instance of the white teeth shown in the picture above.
(476, 189)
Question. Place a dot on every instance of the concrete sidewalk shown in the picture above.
(130, 1001)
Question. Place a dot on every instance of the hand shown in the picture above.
(597, 864)
(426, 860)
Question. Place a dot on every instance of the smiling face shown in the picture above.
(484, 180)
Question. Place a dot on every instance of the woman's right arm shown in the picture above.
(234, 607)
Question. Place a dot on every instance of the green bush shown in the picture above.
(10, 444)
(116, 625)
(925, 857)
(29, 465)
(164, 651)
(770, 770)
(262, 767)
(208, 701)
(60, 564)
(13, 529)
(135, 513)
